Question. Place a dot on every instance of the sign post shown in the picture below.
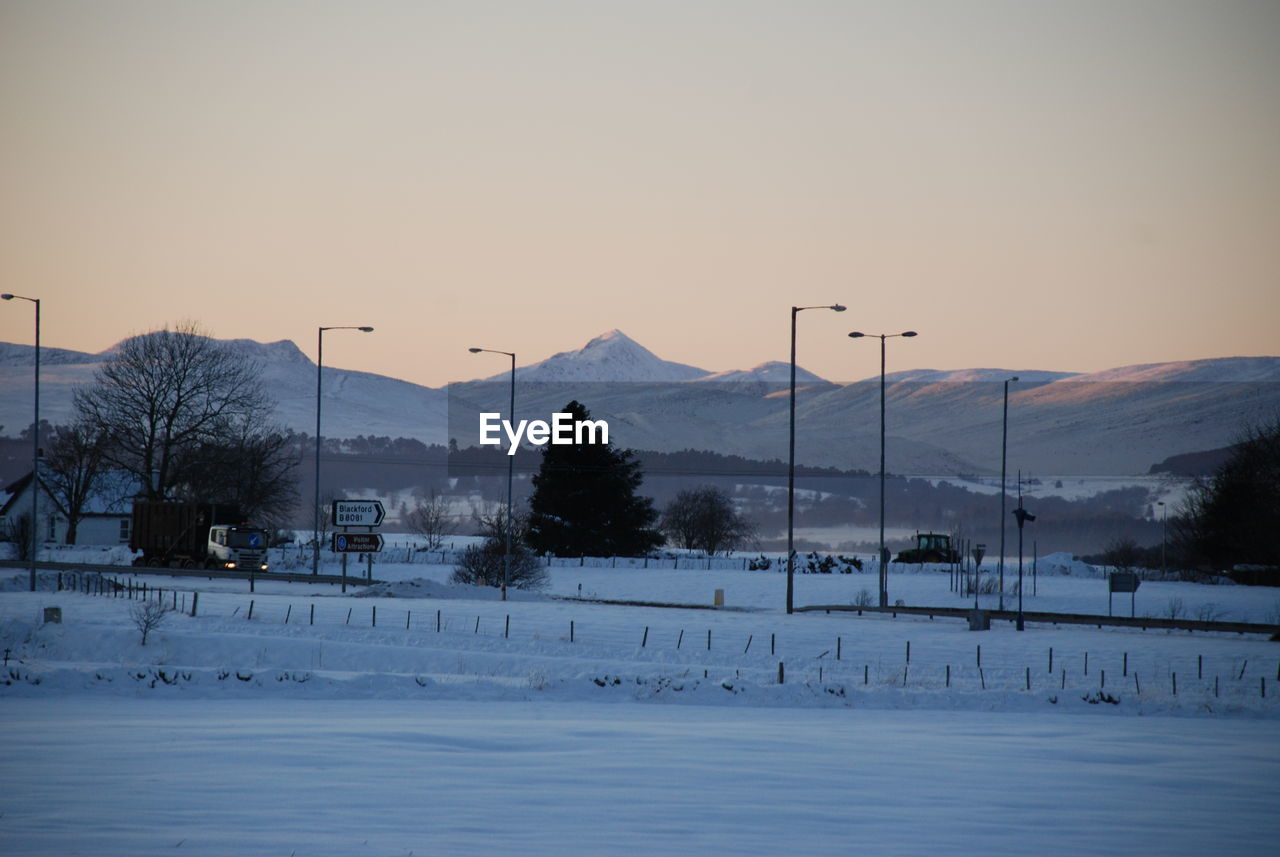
(1123, 581)
(357, 513)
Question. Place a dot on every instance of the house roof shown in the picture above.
(112, 496)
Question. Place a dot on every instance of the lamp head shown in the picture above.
(365, 329)
(1014, 378)
(6, 297)
(837, 307)
(909, 333)
(475, 350)
(856, 335)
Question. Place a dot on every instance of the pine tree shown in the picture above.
(584, 501)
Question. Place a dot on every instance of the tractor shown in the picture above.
(930, 547)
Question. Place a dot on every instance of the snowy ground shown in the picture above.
(460, 724)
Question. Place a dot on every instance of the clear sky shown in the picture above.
(1053, 185)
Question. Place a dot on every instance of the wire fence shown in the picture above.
(761, 655)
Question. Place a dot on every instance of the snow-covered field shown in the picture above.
(461, 724)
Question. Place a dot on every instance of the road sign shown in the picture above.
(1123, 581)
(357, 542)
(358, 513)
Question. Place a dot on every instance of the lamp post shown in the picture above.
(35, 445)
(884, 560)
(1004, 447)
(511, 463)
(315, 555)
(1022, 516)
(791, 459)
(1164, 534)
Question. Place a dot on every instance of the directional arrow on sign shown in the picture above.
(357, 542)
(358, 513)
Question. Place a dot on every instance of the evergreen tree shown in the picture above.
(584, 501)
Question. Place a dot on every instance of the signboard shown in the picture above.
(1123, 581)
(358, 513)
(357, 542)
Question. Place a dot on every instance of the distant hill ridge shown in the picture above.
(940, 422)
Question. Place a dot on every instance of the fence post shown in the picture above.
(194, 597)
(250, 610)
(781, 673)
(644, 641)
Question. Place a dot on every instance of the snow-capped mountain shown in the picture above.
(610, 357)
(1116, 422)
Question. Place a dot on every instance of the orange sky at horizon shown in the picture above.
(1066, 187)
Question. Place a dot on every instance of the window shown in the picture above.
(124, 530)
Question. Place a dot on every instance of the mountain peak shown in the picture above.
(611, 336)
(611, 357)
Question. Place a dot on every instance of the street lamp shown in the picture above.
(511, 463)
(1164, 533)
(1022, 516)
(35, 445)
(791, 459)
(884, 560)
(315, 555)
(1004, 447)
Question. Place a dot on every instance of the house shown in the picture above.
(105, 520)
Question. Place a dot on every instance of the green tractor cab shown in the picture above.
(930, 547)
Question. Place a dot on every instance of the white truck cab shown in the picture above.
(238, 547)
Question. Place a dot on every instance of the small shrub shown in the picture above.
(483, 565)
(149, 615)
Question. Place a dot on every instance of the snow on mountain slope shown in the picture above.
(12, 354)
(610, 357)
(773, 372)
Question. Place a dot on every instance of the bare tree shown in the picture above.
(74, 468)
(162, 396)
(18, 531)
(431, 520)
(249, 466)
(149, 615)
(1123, 554)
(485, 564)
(705, 519)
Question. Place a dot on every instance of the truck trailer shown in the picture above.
(173, 534)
